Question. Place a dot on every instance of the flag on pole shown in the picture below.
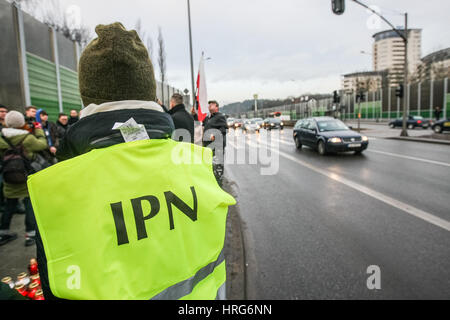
(202, 95)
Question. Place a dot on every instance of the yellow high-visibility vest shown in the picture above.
(138, 220)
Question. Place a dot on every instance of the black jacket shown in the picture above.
(182, 119)
(215, 121)
(61, 129)
(95, 132)
(73, 120)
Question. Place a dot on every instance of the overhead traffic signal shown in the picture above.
(336, 97)
(338, 6)
(399, 91)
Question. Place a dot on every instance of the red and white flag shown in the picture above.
(202, 95)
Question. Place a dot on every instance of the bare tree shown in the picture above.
(145, 38)
(161, 60)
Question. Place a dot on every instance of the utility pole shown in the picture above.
(405, 85)
(192, 59)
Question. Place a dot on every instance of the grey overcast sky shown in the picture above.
(273, 48)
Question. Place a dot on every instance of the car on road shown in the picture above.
(250, 126)
(259, 122)
(412, 122)
(230, 122)
(238, 123)
(328, 135)
(441, 126)
(274, 123)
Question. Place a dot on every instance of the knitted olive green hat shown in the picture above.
(115, 67)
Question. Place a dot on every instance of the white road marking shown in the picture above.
(390, 154)
(409, 157)
(418, 213)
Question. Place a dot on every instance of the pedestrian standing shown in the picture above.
(14, 135)
(181, 118)
(62, 124)
(73, 117)
(215, 129)
(437, 113)
(51, 133)
(121, 158)
(3, 112)
(30, 116)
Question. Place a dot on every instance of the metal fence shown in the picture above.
(423, 98)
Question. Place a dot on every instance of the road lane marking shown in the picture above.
(409, 157)
(418, 213)
(390, 154)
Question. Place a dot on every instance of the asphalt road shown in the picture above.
(313, 229)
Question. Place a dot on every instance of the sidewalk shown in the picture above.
(382, 130)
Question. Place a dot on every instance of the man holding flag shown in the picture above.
(214, 122)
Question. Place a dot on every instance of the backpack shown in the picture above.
(15, 165)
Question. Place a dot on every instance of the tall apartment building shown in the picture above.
(389, 54)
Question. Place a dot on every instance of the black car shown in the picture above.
(273, 123)
(412, 122)
(441, 125)
(327, 134)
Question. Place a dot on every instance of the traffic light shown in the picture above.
(338, 6)
(399, 91)
(336, 97)
(360, 97)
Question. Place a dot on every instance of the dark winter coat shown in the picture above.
(182, 119)
(94, 132)
(215, 121)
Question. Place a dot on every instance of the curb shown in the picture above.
(235, 249)
(424, 140)
(250, 267)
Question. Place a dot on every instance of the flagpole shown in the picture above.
(192, 61)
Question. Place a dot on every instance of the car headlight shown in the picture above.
(272, 124)
(335, 140)
(236, 125)
(282, 124)
(258, 127)
(365, 139)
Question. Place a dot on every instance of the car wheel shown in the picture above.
(321, 148)
(298, 144)
(392, 126)
(410, 126)
(438, 129)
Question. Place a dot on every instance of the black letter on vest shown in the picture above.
(177, 202)
(121, 229)
(139, 215)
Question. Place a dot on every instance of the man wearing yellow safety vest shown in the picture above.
(129, 213)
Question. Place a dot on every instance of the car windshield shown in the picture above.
(418, 118)
(275, 120)
(258, 119)
(331, 125)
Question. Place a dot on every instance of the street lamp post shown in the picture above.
(192, 61)
(255, 96)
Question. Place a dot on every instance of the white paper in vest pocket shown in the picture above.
(131, 130)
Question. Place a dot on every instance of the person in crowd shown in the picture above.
(121, 149)
(3, 112)
(30, 115)
(51, 133)
(14, 135)
(62, 125)
(73, 117)
(181, 118)
(437, 113)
